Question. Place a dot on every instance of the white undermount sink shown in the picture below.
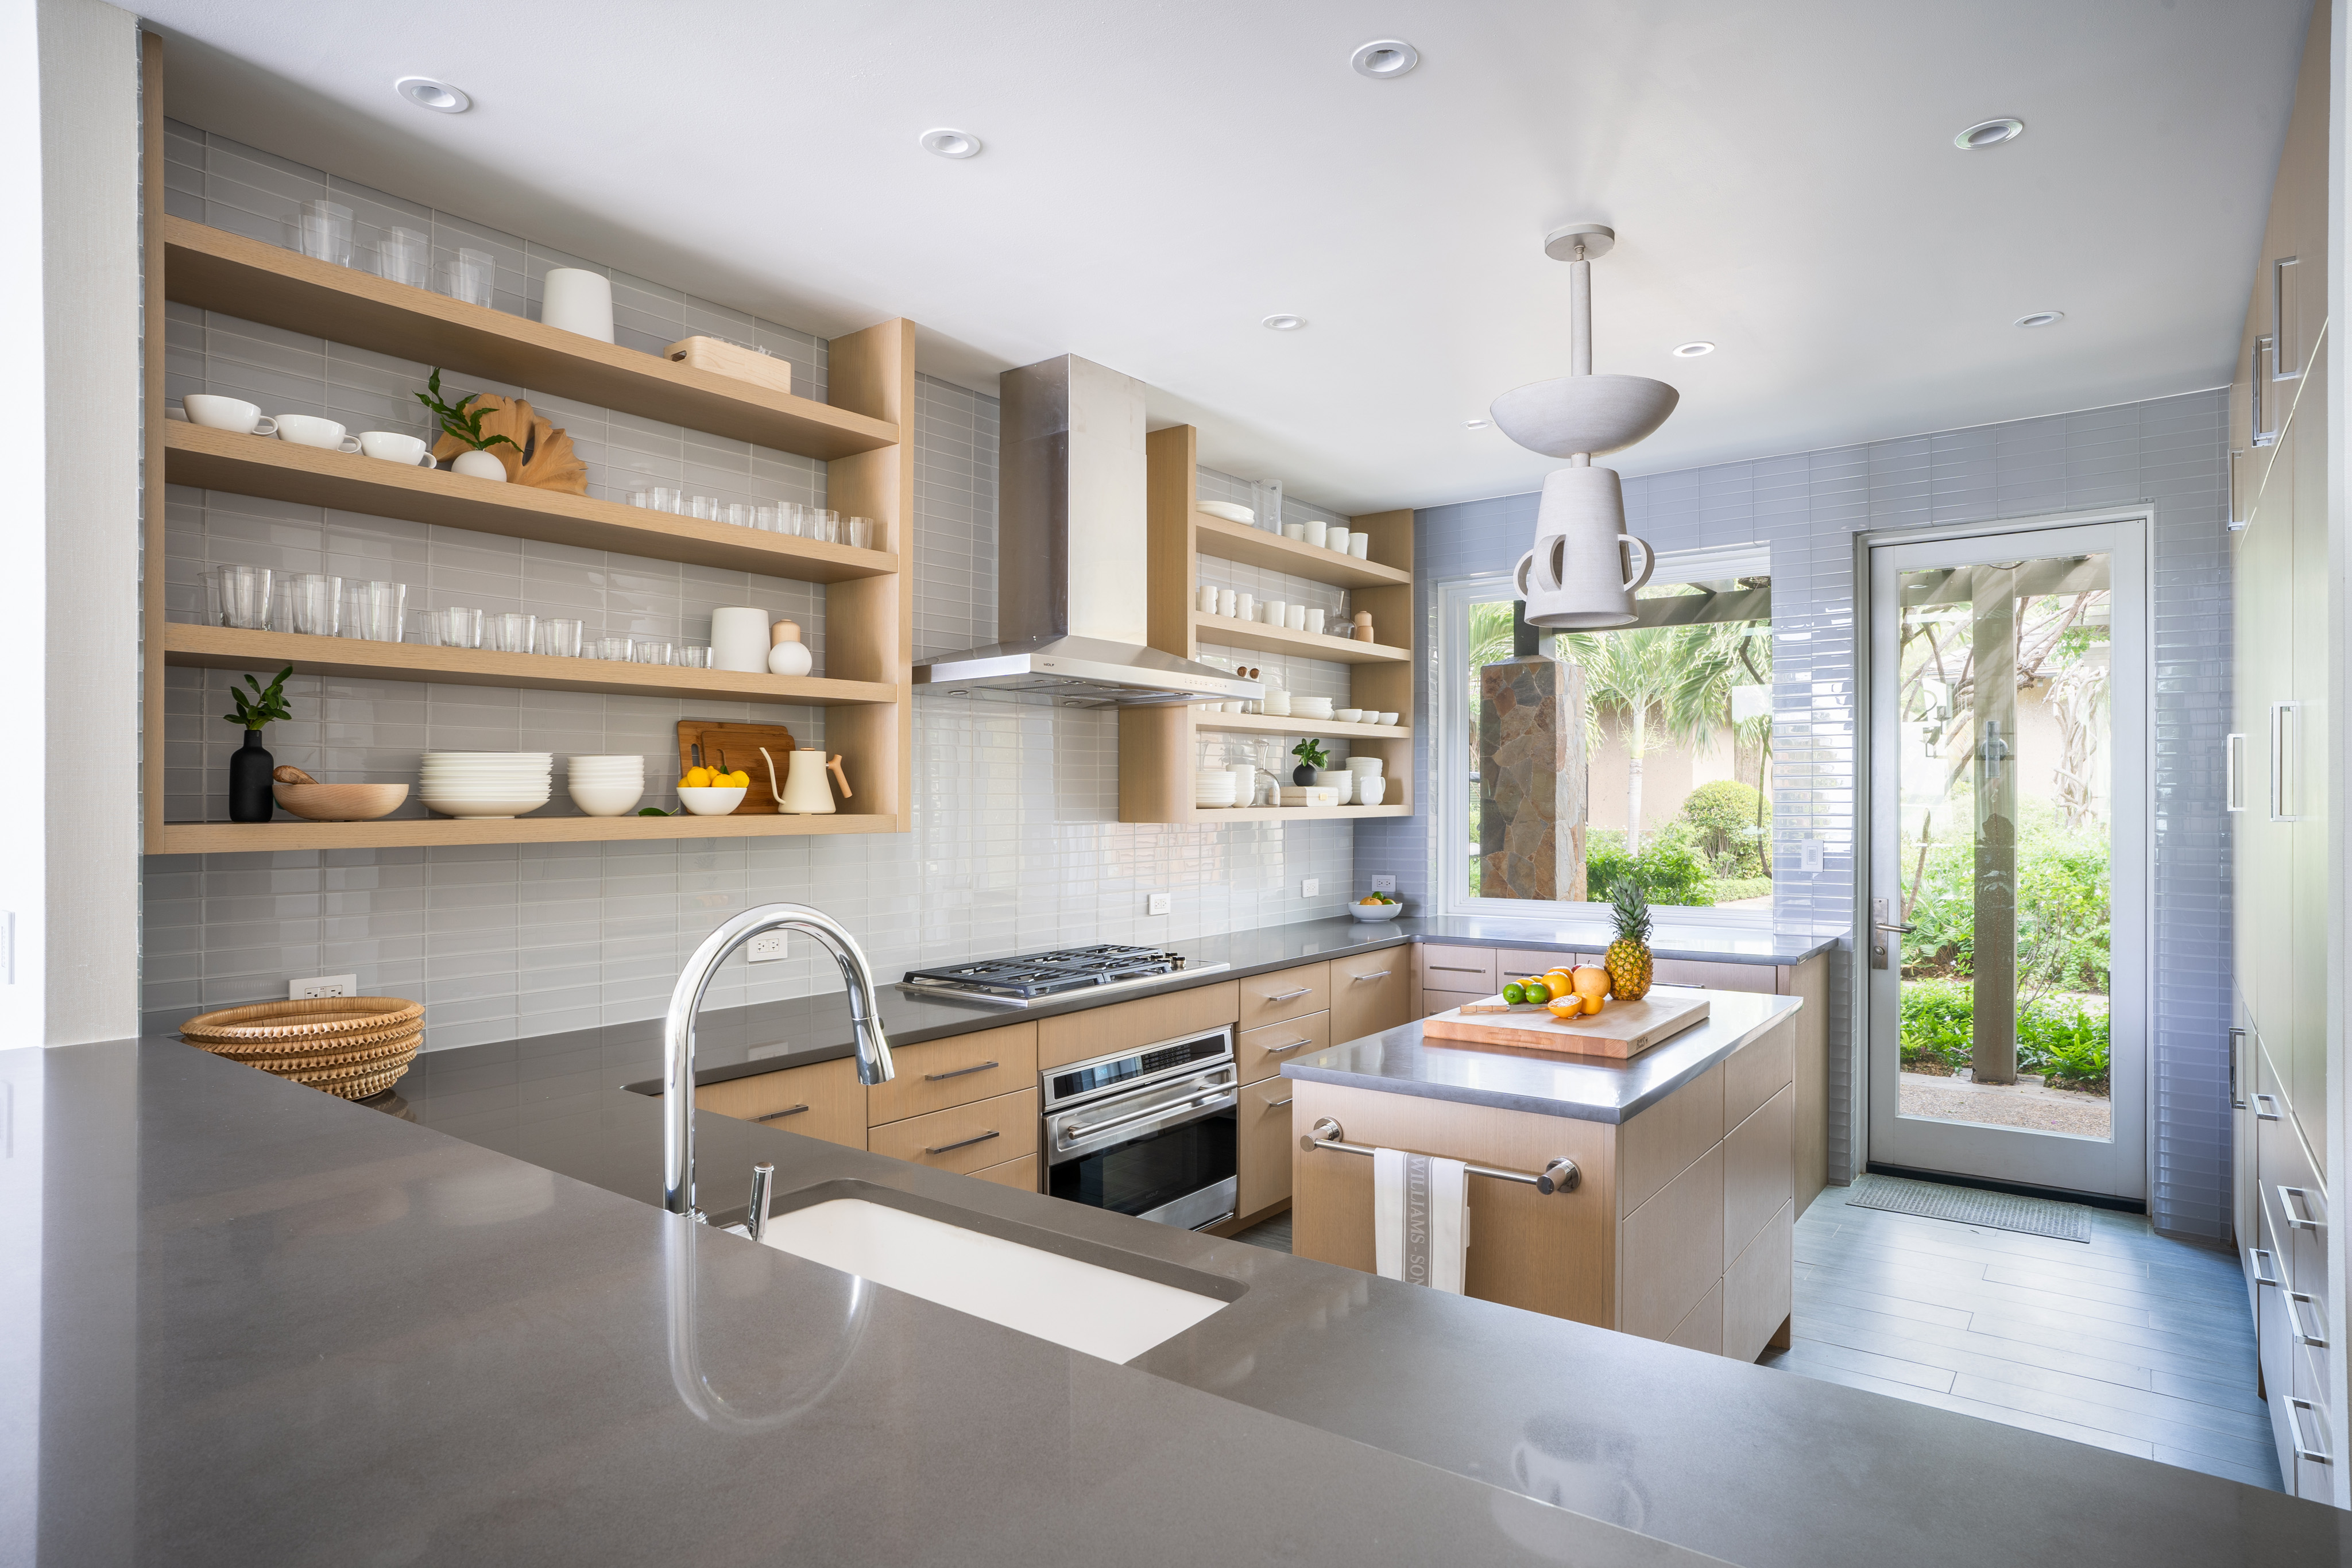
(1087, 1307)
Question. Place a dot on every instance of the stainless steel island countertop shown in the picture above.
(275, 1327)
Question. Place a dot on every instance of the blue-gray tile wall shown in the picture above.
(1807, 507)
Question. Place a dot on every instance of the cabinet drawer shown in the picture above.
(1371, 992)
(939, 1074)
(1758, 1173)
(1702, 1327)
(1518, 963)
(2272, 1341)
(1445, 968)
(1658, 1145)
(1124, 1025)
(1672, 1248)
(824, 1100)
(1762, 977)
(1284, 994)
(1020, 1173)
(1435, 1002)
(2314, 1424)
(1757, 1287)
(1261, 1052)
(1758, 1070)
(964, 1138)
(1263, 1144)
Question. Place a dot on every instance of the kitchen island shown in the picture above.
(276, 1327)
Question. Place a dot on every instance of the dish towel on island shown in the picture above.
(1421, 1218)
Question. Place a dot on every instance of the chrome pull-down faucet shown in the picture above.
(677, 1030)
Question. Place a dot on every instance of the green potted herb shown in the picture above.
(1311, 759)
(249, 766)
(463, 422)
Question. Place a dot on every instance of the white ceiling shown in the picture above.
(1158, 176)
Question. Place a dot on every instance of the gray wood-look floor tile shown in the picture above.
(2130, 1342)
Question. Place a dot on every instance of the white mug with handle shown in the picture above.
(396, 446)
(215, 413)
(307, 430)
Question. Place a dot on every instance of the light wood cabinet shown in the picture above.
(1435, 1002)
(1757, 1171)
(957, 1071)
(1371, 992)
(964, 1138)
(1283, 994)
(1671, 1249)
(1020, 1173)
(1446, 967)
(1758, 1287)
(1262, 1150)
(822, 1101)
(1123, 1026)
(1260, 1052)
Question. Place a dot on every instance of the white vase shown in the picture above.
(788, 655)
(739, 640)
(479, 464)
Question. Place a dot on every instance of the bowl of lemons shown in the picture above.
(711, 792)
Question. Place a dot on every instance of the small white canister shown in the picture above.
(578, 301)
(739, 640)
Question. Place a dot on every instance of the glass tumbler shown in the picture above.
(314, 603)
(325, 229)
(861, 533)
(641, 498)
(244, 596)
(693, 655)
(611, 650)
(740, 515)
(405, 255)
(509, 632)
(470, 275)
(455, 626)
(649, 651)
(382, 610)
(792, 519)
(826, 526)
(560, 639)
(667, 498)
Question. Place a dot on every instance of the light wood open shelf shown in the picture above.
(1292, 723)
(1238, 634)
(309, 477)
(1299, 813)
(215, 270)
(406, 832)
(230, 648)
(1228, 540)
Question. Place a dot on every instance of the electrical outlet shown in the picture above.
(1310, 887)
(1811, 849)
(1384, 884)
(1159, 903)
(765, 948)
(322, 985)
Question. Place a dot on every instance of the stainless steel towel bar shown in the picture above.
(1560, 1176)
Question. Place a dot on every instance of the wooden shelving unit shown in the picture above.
(1157, 746)
(869, 597)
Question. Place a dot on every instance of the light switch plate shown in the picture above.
(322, 985)
(1159, 903)
(1384, 884)
(1811, 849)
(765, 948)
(1311, 887)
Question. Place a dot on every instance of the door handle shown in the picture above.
(2287, 1194)
(2237, 1071)
(2270, 1115)
(1079, 1134)
(2295, 1410)
(2233, 773)
(1898, 930)
(2261, 1278)
(2295, 1299)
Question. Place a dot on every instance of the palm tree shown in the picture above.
(1664, 684)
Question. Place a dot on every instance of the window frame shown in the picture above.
(1449, 874)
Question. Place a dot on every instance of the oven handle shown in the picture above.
(1192, 1101)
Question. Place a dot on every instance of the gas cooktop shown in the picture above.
(1044, 976)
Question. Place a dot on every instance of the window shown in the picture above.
(1674, 740)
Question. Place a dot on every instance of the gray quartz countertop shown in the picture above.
(1591, 934)
(281, 1328)
(1401, 1061)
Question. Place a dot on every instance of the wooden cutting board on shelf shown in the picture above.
(1620, 1029)
(734, 746)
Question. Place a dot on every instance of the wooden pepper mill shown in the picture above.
(1363, 625)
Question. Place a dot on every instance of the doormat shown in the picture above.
(1968, 1206)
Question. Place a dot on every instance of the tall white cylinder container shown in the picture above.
(739, 640)
(578, 301)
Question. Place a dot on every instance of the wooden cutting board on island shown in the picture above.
(1620, 1029)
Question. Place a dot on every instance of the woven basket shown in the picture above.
(298, 1026)
(332, 1079)
(371, 1054)
(374, 1083)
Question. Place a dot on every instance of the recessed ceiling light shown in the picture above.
(430, 92)
(1284, 323)
(1692, 350)
(950, 143)
(2042, 318)
(1384, 58)
(1987, 133)
(1475, 423)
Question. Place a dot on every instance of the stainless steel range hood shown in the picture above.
(1072, 554)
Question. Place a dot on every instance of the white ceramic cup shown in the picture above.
(578, 301)
(1360, 546)
(1372, 788)
(1228, 601)
(305, 430)
(394, 446)
(1272, 612)
(1337, 539)
(1295, 531)
(740, 640)
(1204, 599)
(1315, 620)
(227, 413)
(1317, 532)
(1246, 607)
(1295, 617)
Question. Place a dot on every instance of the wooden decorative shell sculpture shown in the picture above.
(541, 455)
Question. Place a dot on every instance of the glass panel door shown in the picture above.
(2007, 789)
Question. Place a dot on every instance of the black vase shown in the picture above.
(1304, 774)
(249, 800)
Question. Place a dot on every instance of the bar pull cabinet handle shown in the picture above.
(2270, 1115)
(1375, 974)
(1288, 996)
(2282, 762)
(2287, 1195)
(1277, 1105)
(2254, 378)
(2302, 1450)
(2295, 1300)
(959, 1073)
(1456, 969)
(2237, 524)
(963, 1143)
(2237, 1069)
(779, 1116)
(1559, 1175)
(2286, 346)
(2265, 1255)
(2233, 773)
(1278, 1049)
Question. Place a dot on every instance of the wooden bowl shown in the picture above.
(340, 802)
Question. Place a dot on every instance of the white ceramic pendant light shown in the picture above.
(1577, 577)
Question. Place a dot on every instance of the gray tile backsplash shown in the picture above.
(1016, 841)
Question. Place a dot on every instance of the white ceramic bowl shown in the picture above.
(1376, 911)
(712, 802)
(1367, 765)
(1337, 778)
(1386, 718)
(606, 800)
(1311, 707)
(1230, 512)
(473, 804)
(1348, 715)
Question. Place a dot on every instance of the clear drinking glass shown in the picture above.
(667, 498)
(861, 533)
(612, 649)
(560, 639)
(791, 520)
(455, 626)
(641, 498)
(703, 507)
(471, 276)
(826, 527)
(382, 610)
(741, 516)
(324, 229)
(649, 651)
(692, 655)
(314, 602)
(244, 596)
(405, 255)
(509, 632)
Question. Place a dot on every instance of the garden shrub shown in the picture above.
(1670, 869)
(2067, 1044)
(1722, 819)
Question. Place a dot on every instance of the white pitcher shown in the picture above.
(1572, 578)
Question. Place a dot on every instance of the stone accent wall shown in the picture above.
(1531, 780)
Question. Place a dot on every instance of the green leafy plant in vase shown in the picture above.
(249, 766)
(1311, 758)
(461, 421)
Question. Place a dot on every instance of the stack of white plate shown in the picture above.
(1310, 708)
(607, 786)
(1213, 786)
(487, 783)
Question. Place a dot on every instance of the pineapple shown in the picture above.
(1628, 959)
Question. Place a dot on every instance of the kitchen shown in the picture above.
(1017, 740)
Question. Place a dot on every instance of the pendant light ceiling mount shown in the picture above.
(1598, 239)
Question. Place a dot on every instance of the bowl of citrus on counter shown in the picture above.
(1376, 906)
(712, 792)
(1563, 992)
